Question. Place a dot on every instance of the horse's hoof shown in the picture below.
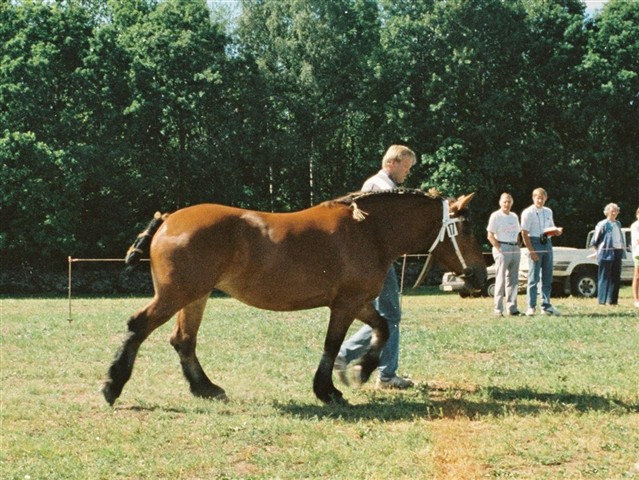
(339, 401)
(211, 392)
(222, 398)
(109, 395)
(334, 398)
(364, 375)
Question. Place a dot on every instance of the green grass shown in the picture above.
(525, 398)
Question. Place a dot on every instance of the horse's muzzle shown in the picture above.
(474, 278)
(467, 273)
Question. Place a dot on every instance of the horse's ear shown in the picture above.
(463, 201)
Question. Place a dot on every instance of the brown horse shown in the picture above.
(335, 254)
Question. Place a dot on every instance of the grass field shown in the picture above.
(524, 398)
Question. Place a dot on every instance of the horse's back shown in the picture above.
(207, 221)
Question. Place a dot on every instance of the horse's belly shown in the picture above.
(287, 297)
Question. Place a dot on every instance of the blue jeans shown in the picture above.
(387, 305)
(609, 279)
(540, 271)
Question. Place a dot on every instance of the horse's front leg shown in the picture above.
(370, 361)
(323, 385)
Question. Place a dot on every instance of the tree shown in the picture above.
(489, 89)
(111, 110)
(610, 159)
(457, 67)
(153, 88)
(38, 205)
(314, 57)
(176, 59)
(42, 48)
(39, 65)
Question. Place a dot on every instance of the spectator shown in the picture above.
(503, 230)
(537, 229)
(634, 242)
(609, 241)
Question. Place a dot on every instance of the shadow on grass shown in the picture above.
(459, 403)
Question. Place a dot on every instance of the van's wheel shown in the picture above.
(583, 283)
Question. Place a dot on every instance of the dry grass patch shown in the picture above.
(455, 450)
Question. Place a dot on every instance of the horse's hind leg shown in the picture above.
(184, 340)
(140, 327)
(370, 361)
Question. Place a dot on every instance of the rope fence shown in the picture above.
(72, 260)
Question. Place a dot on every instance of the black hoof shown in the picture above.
(338, 400)
(110, 394)
(367, 367)
(333, 398)
(222, 398)
(365, 374)
(212, 392)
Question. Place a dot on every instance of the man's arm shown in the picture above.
(529, 245)
(493, 241)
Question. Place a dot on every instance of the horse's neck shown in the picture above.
(406, 226)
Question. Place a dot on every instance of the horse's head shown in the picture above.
(456, 248)
(442, 223)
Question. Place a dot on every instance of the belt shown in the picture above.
(514, 244)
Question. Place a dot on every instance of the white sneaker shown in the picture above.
(530, 312)
(637, 304)
(551, 311)
(497, 313)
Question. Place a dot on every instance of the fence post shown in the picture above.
(69, 289)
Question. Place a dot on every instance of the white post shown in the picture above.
(69, 288)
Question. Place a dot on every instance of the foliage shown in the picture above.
(111, 110)
(314, 57)
(39, 198)
(611, 107)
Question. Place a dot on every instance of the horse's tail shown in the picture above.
(141, 244)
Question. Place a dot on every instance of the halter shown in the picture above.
(449, 227)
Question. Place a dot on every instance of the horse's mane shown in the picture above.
(349, 198)
(352, 198)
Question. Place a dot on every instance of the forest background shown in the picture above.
(111, 110)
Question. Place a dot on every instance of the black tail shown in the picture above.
(141, 244)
